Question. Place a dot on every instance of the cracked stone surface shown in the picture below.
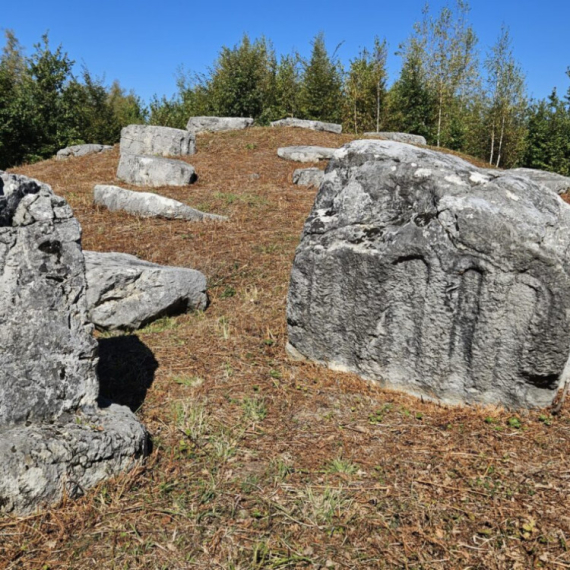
(154, 171)
(199, 125)
(147, 204)
(48, 355)
(305, 153)
(306, 124)
(125, 292)
(153, 140)
(431, 276)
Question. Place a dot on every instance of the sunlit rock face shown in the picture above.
(431, 276)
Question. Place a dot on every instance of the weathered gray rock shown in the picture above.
(305, 124)
(399, 137)
(308, 176)
(48, 356)
(555, 182)
(198, 125)
(147, 204)
(305, 153)
(154, 171)
(429, 275)
(125, 292)
(81, 150)
(153, 140)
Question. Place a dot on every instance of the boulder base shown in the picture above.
(154, 171)
(431, 276)
(125, 292)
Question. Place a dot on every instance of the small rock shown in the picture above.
(154, 171)
(308, 176)
(147, 204)
(81, 150)
(312, 125)
(305, 153)
(399, 137)
(198, 125)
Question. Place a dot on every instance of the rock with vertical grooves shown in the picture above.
(154, 171)
(125, 292)
(432, 276)
(48, 358)
(153, 140)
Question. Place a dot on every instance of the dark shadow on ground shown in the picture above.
(126, 371)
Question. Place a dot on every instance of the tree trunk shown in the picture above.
(501, 140)
(378, 107)
(439, 118)
(492, 143)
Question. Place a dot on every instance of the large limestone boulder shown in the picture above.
(197, 125)
(147, 204)
(398, 137)
(308, 176)
(154, 171)
(305, 124)
(153, 140)
(81, 150)
(305, 153)
(52, 432)
(125, 292)
(431, 276)
(555, 182)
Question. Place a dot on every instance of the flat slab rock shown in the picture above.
(147, 204)
(154, 140)
(305, 153)
(81, 150)
(428, 275)
(555, 182)
(199, 125)
(125, 292)
(155, 171)
(308, 176)
(48, 358)
(399, 137)
(306, 124)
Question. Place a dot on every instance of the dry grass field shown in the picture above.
(262, 462)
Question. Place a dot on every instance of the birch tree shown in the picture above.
(507, 97)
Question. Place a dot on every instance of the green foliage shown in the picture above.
(321, 91)
(44, 107)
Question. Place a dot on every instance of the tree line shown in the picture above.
(447, 90)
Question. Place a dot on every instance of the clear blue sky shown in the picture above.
(142, 43)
